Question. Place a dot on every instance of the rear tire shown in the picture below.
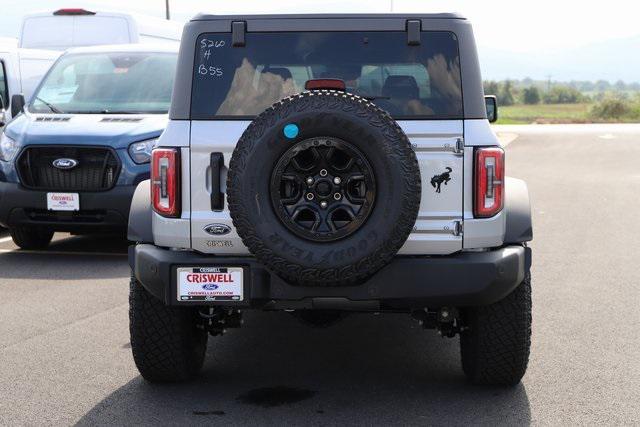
(495, 349)
(31, 237)
(166, 343)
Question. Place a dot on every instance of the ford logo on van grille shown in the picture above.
(217, 229)
(65, 164)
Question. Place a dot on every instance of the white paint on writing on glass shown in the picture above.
(208, 44)
(209, 70)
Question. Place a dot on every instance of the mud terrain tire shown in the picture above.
(166, 344)
(356, 123)
(495, 349)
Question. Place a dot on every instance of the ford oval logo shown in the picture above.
(65, 163)
(217, 229)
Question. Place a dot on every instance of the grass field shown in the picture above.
(544, 113)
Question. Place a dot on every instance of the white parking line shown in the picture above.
(19, 251)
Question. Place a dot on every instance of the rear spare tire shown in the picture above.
(324, 188)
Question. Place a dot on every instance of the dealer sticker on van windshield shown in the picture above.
(210, 284)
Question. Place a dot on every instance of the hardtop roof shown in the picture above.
(213, 17)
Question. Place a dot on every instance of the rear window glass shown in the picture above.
(410, 82)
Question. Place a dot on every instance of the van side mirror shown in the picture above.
(3, 116)
(491, 102)
(17, 104)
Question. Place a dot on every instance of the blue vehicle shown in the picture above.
(74, 156)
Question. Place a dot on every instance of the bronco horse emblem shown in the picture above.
(437, 180)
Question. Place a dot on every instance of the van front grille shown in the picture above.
(96, 168)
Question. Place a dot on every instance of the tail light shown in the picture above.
(165, 181)
(336, 84)
(489, 182)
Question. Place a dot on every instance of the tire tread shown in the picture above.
(398, 149)
(165, 343)
(31, 237)
(496, 348)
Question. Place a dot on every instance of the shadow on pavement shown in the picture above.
(364, 370)
(103, 243)
(75, 257)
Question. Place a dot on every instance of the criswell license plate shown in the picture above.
(63, 201)
(210, 284)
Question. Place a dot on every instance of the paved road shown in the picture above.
(65, 355)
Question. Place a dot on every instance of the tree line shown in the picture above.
(529, 91)
(619, 101)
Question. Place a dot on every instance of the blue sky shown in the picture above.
(521, 27)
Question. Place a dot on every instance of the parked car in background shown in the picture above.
(64, 28)
(71, 161)
(44, 35)
(20, 72)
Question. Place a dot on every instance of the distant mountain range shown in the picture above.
(612, 60)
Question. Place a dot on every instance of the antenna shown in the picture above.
(167, 9)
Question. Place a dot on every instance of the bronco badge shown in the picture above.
(444, 177)
(217, 229)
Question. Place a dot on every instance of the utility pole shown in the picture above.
(166, 2)
(548, 80)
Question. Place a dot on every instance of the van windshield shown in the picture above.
(107, 83)
(410, 82)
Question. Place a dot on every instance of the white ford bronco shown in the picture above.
(327, 164)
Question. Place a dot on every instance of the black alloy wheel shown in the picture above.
(323, 189)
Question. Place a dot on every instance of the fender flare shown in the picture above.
(518, 228)
(139, 229)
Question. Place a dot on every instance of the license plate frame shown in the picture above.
(210, 284)
(63, 201)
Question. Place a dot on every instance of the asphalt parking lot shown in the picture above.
(65, 354)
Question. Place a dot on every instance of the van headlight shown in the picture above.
(8, 148)
(140, 151)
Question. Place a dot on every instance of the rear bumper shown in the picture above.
(463, 279)
(99, 211)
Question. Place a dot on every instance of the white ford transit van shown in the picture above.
(66, 28)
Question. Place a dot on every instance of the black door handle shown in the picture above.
(217, 196)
